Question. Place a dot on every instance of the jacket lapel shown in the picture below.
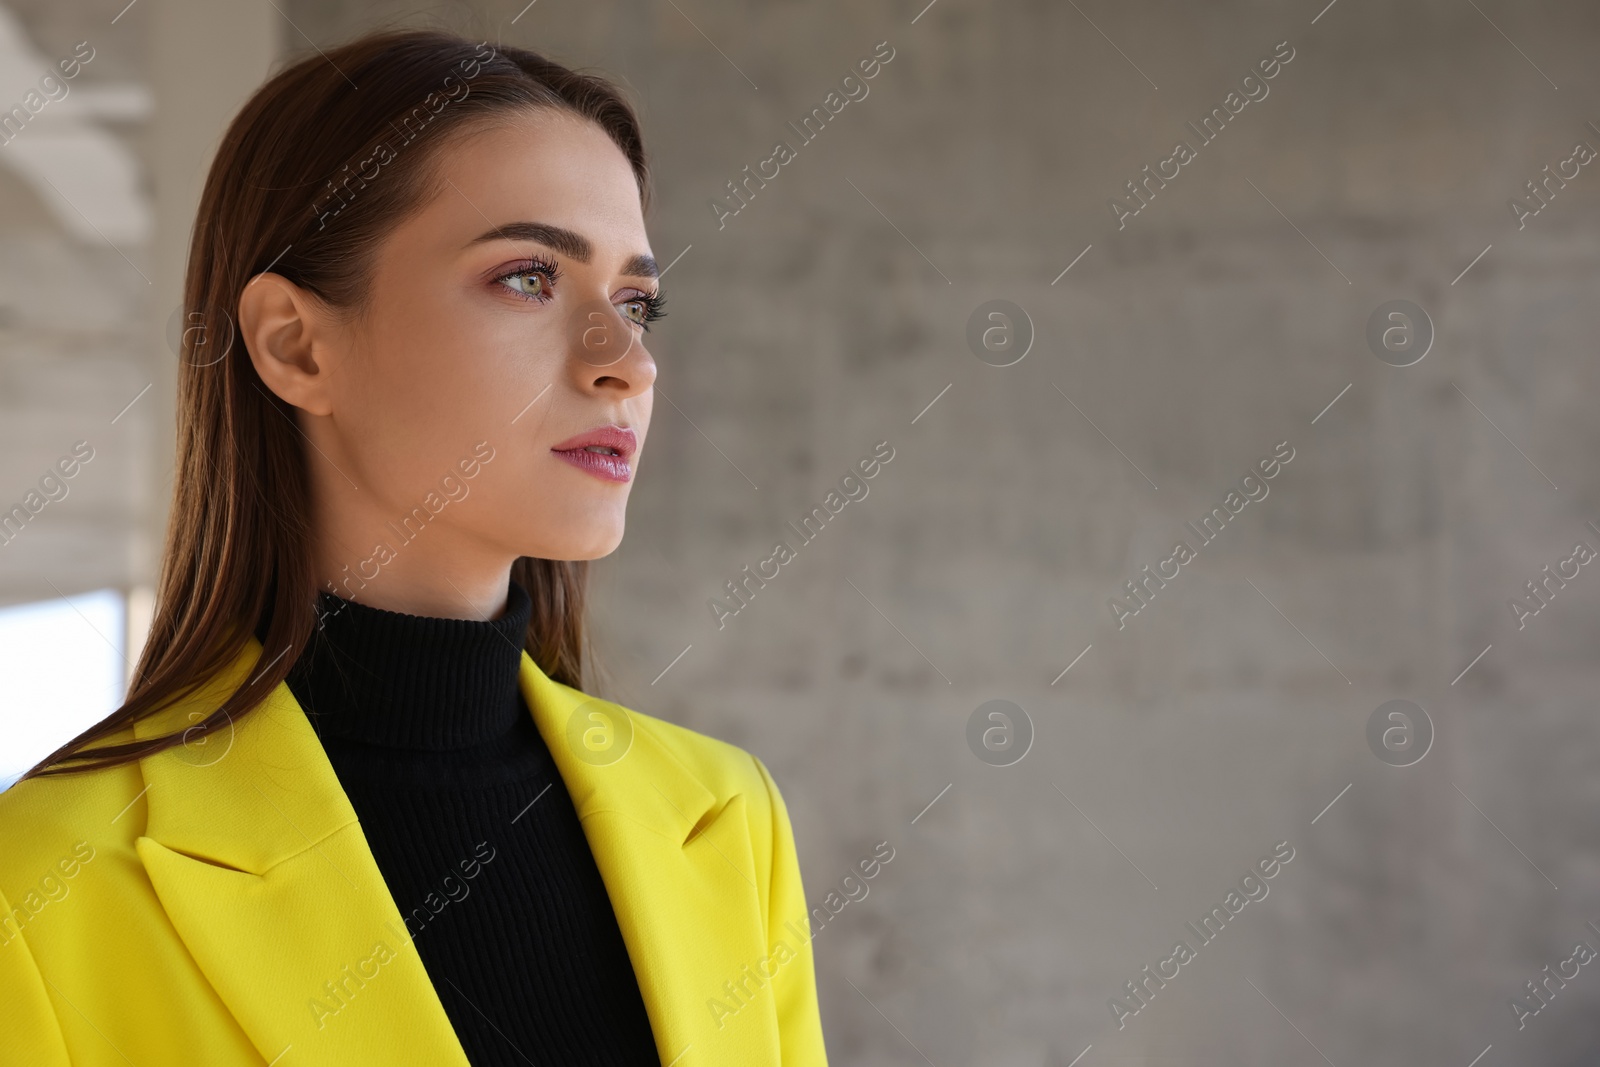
(677, 866)
(257, 858)
(260, 863)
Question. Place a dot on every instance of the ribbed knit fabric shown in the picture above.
(472, 828)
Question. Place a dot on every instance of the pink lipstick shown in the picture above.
(603, 452)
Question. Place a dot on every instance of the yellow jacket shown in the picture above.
(217, 903)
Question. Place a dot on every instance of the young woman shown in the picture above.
(357, 808)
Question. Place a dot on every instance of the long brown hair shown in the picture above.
(320, 164)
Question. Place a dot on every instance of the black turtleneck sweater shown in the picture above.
(474, 833)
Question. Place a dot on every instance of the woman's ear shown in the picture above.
(287, 333)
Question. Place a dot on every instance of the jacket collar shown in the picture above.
(257, 857)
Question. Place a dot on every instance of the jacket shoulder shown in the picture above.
(731, 772)
(723, 767)
(43, 819)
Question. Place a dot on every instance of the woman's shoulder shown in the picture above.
(731, 772)
(723, 767)
(49, 825)
(108, 805)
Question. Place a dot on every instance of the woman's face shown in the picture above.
(503, 322)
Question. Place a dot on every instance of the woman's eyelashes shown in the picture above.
(533, 268)
(647, 308)
(535, 279)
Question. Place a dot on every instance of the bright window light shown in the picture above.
(62, 668)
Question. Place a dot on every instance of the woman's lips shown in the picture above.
(619, 439)
(613, 468)
(602, 451)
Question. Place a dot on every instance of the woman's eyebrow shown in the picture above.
(566, 242)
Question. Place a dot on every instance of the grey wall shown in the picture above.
(1224, 318)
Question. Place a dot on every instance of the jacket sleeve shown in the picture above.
(32, 1033)
(794, 986)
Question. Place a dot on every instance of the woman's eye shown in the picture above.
(532, 281)
(529, 283)
(643, 310)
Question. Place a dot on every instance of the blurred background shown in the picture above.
(1384, 268)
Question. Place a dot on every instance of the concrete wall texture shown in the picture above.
(1245, 706)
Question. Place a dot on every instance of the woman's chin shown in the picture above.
(596, 543)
